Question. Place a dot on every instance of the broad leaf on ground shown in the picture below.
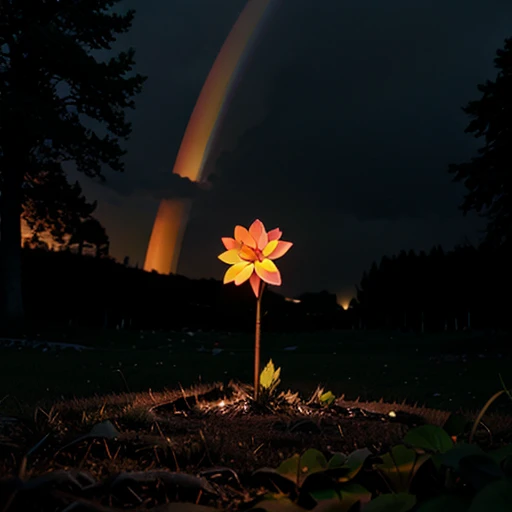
(299, 467)
(349, 494)
(330, 506)
(277, 505)
(337, 461)
(496, 497)
(344, 467)
(352, 493)
(325, 495)
(429, 438)
(400, 466)
(501, 454)
(355, 463)
(401, 502)
(447, 503)
(479, 470)
(451, 458)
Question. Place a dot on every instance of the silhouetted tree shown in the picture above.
(34, 242)
(488, 176)
(90, 233)
(53, 206)
(51, 82)
(446, 287)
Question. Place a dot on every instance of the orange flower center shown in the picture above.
(249, 254)
(259, 253)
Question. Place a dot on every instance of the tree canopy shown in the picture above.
(59, 102)
(488, 176)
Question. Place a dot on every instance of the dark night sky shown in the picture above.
(362, 103)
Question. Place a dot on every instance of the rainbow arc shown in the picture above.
(171, 220)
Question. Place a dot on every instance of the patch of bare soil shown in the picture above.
(137, 451)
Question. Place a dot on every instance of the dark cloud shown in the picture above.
(323, 173)
(156, 185)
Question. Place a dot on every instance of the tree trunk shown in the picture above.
(12, 312)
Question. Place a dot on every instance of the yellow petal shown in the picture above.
(232, 272)
(230, 257)
(245, 274)
(242, 235)
(270, 247)
(268, 265)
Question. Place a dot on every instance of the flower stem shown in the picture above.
(257, 345)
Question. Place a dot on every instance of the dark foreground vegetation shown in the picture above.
(212, 446)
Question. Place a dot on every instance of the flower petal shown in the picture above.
(259, 233)
(242, 235)
(269, 248)
(255, 283)
(245, 274)
(268, 272)
(230, 257)
(230, 243)
(232, 272)
(281, 249)
(274, 234)
(247, 254)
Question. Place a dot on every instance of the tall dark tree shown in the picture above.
(488, 176)
(59, 102)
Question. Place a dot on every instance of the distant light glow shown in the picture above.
(344, 297)
(344, 302)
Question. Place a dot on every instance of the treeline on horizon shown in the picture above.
(467, 287)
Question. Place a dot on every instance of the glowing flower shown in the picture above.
(251, 254)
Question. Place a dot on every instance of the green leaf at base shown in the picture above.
(401, 502)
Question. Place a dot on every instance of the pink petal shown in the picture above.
(230, 243)
(272, 276)
(281, 249)
(259, 233)
(255, 283)
(243, 236)
(274, 234)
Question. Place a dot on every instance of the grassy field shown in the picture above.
(449, 370)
